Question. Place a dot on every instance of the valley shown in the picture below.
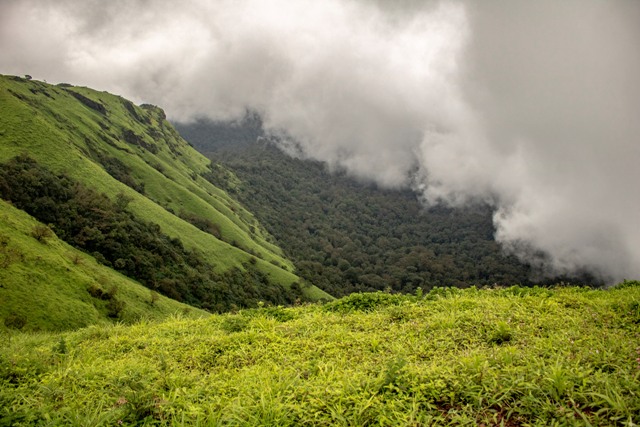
(345, 235)
(142, 283)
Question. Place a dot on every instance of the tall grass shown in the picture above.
(564, 356)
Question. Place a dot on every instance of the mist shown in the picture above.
(529, 106)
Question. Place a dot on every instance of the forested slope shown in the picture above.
(345, 235)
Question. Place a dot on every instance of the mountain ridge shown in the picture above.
(115, 148)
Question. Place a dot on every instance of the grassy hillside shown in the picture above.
(512, 357)
(115, 147)
(45, 284)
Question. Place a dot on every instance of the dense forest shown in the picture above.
(345, 235)
(105, 228)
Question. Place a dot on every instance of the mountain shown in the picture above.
(121, 170)
(344, 235)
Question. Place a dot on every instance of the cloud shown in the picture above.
(555, 86)
(531, 106)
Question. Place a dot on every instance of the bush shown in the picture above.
(76, 259)
(278, 313)
(41, 233)
(234, 324)
(115, 307)
(501, 334)
(153, 297)
(8, 254)
(94, 105)
(363, 302)
(15, 321)
(627, 284)
(96, 291)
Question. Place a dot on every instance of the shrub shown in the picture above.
(96, 291)
(41, 233)
(363, 302)
(97, 106)
(60, 347)
(8, 254)
(392, 378)
(15, 321)
(501, 334)
(153, 297)
(627, 284)
(115, 307)
(77, 259)
(278, 313)
(234, 324)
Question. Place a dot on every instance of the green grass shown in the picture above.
(64, 134)
(45, 285)
(515, 356)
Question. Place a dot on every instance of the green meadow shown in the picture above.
(512, 357)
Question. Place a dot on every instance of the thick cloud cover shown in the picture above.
(532, 106)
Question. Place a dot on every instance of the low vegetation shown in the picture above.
(99, 197)
(513, 356)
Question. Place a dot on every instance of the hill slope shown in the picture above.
(45, 284)
(516, 356)
(111, 146)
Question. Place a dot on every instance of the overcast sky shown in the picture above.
(533, 106)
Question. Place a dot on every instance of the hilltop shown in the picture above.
(513, 356)
(99, 148)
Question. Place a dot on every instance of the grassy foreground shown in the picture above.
(515, 356)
